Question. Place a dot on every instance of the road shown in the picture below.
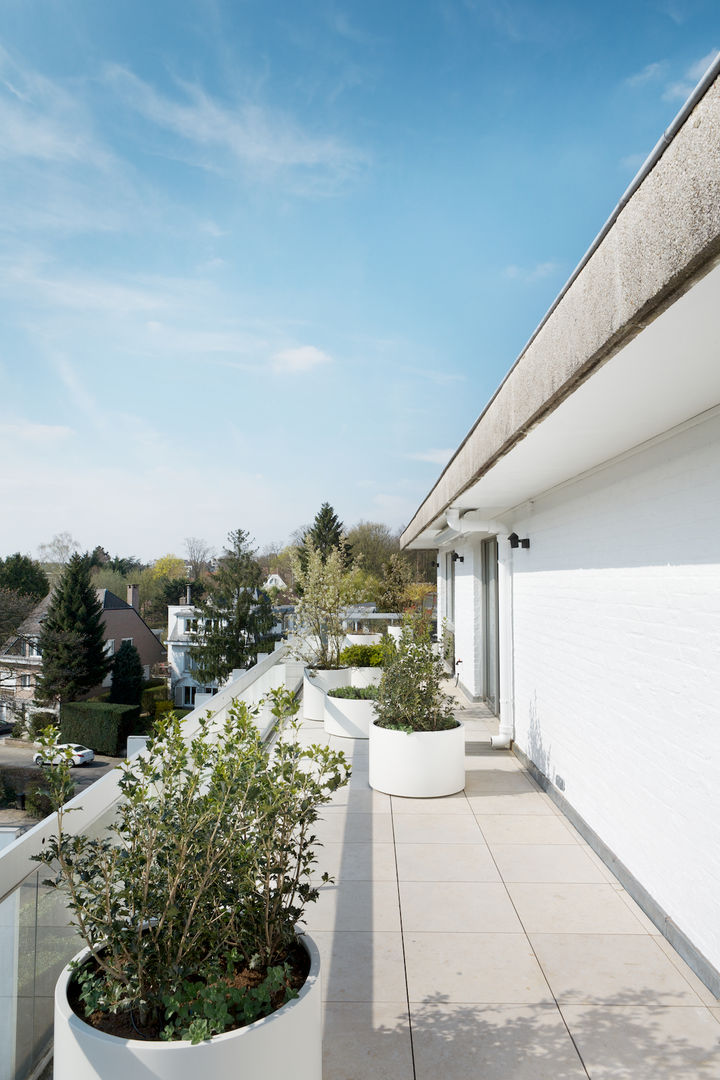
(83, 775)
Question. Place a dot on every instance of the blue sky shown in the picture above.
(256, 255)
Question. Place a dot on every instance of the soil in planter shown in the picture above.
(125, 1026)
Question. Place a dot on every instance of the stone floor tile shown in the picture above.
(358, 800)
(706, 996)
(351, 828)
(355, 905)
(645, 1042)
(356, 862)
(637, 911)
(572, 909)
(477, 907)
(361, 965)
(492, 1042)
(367, 1042)
(546, 863)
(427, 829)
(479, 968)
(715, 1012)
(610, 969)
(496, 782)
(451, 804)
(525, 829)
(520, 802)
(445, 862)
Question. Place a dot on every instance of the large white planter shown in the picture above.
(287, 1043)
(354, 638)
(419, 765)
(365, 676)
(347, 717)
(316, 686)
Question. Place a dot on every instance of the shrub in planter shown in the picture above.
(362, 656)
(189, 906)
(416, 746)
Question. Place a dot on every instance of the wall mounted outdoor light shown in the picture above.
(515, 541)
(457, 558)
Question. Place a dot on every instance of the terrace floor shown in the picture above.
(480, 936)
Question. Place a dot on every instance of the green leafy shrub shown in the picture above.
(410, 697)
(37, 800)
(214, 864)
(355, 693)
(163, 706)
(152, 696)
(102, 726)
(362, 656)
(7, 790)
(38, 721)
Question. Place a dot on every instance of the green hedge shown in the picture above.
(150, 697)
(362, 656)
(102, 726)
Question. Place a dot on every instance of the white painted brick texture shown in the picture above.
(617, 664)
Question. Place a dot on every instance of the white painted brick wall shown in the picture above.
(617, 664)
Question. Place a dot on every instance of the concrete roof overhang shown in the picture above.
(628, 351)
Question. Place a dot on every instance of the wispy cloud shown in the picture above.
(435, 375)
(434, 457)
(299, 360)
(254, 136)
(632, 162)
(650, 73)
(681, 89)
(529, 274)
(37, 434)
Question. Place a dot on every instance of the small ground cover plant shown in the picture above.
(355, 693)
(189, 904)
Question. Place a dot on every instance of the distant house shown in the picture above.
(274, 581)
(182, 626)
(21, 659)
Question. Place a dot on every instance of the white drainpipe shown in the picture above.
(462, 526)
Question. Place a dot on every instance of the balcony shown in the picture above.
(477, 935)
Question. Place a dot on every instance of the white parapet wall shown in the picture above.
(617, 669)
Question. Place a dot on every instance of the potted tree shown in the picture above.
(189, 908)
(417, 747)
(319, 633)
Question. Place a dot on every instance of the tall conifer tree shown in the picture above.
(72, 637)
(235, 617)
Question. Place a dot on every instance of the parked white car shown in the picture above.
(81, 755)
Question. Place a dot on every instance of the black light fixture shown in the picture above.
(457, 558)
(515, 541)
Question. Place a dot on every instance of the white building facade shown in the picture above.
(181, 635)
(578, 538)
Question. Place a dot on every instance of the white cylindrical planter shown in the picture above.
(286, 1043)
(418, 765)
(395, 633)
(348, 717)
(316, 686)
(365, 676)
(362, 639)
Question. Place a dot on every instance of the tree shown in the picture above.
(327, 533)
(235, 617)
(127, 676)
(373, 543)
(396, 582)
(319, 633)
(14, 609)
(199, 555)
(169, 566)
(21, 574)
(72, 637)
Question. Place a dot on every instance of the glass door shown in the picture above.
(491, 667)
